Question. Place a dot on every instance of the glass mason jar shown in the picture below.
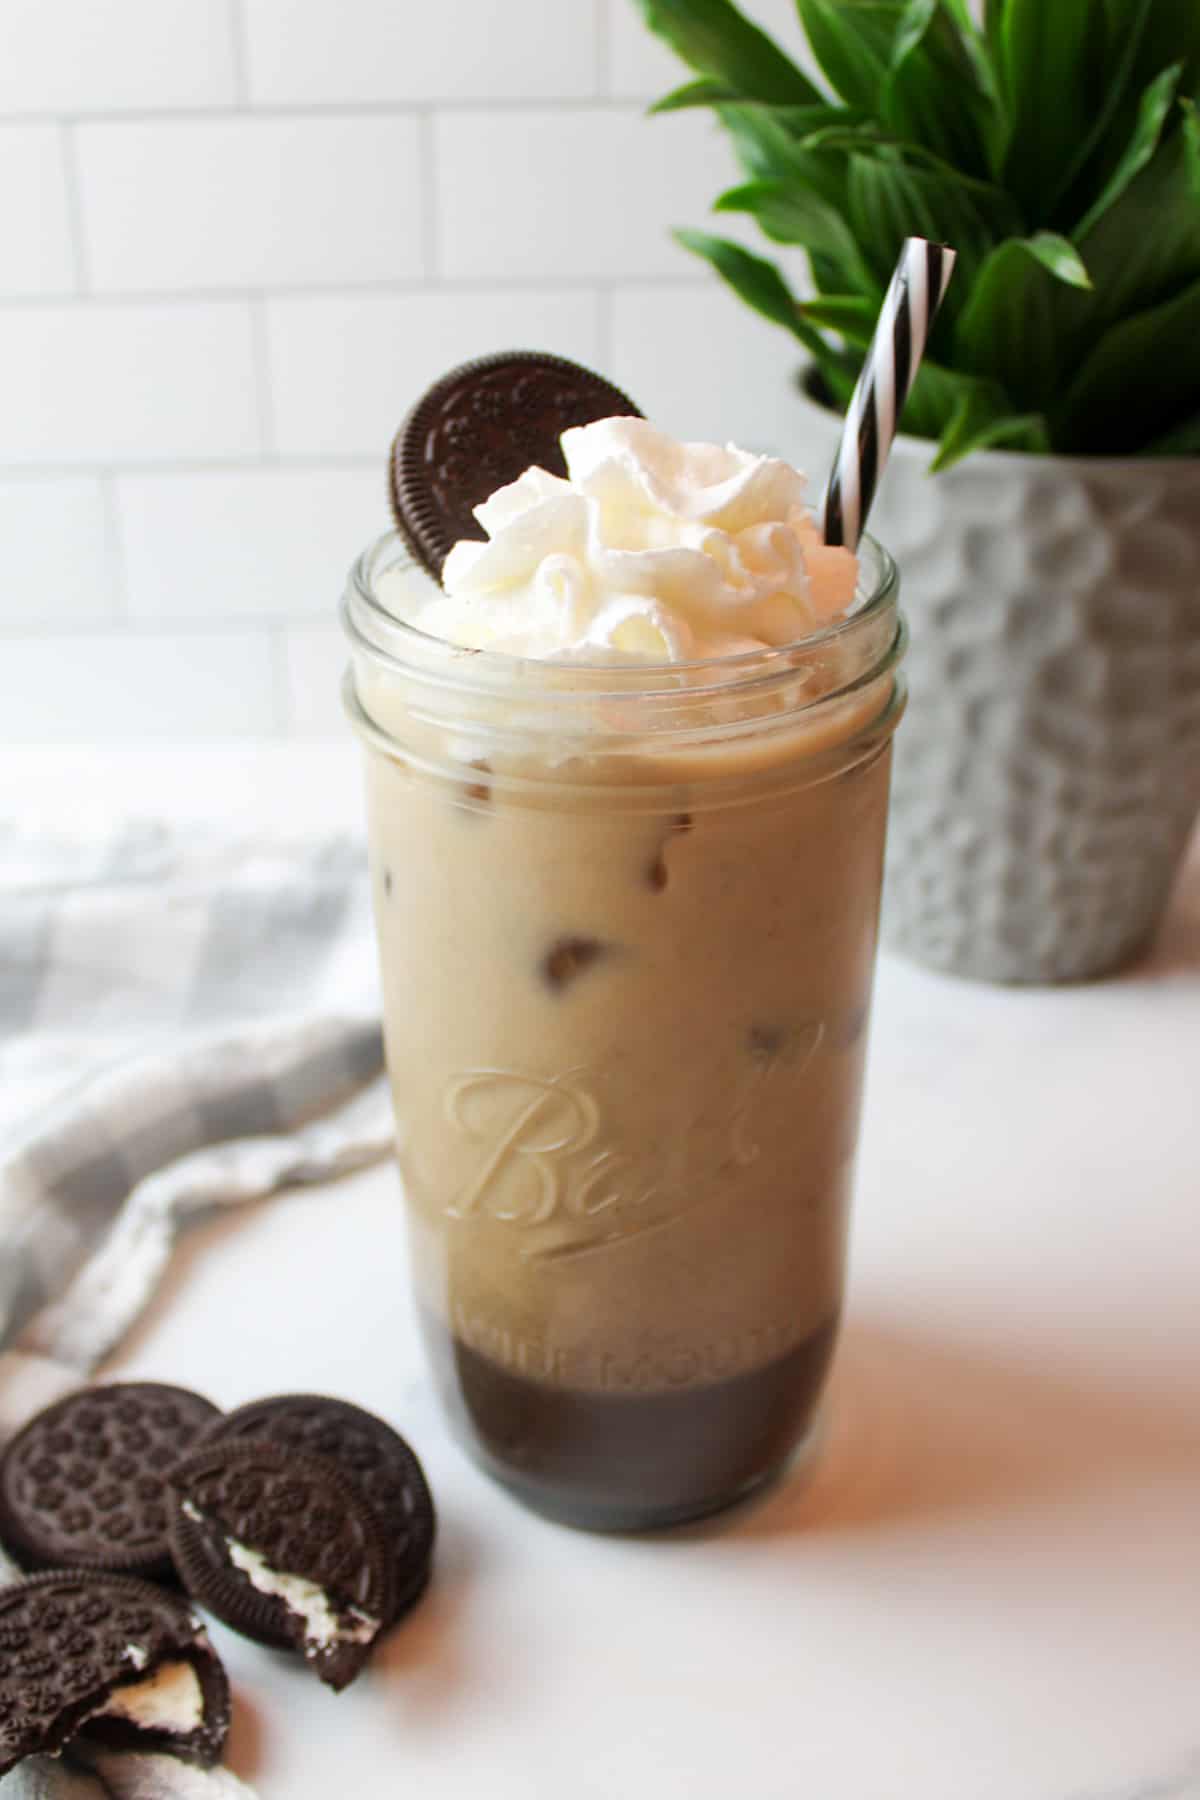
(627, 921)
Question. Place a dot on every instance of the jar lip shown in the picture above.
(403, 646)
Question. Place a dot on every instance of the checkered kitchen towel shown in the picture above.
(186, 1022)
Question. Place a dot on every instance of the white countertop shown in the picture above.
(990, 1590)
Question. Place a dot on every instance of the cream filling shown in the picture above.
(324, 1626)
(171, 1699)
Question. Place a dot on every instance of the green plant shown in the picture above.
(1055, 144)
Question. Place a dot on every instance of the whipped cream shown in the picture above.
(651, 551)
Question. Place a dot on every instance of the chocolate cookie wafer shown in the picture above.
(81, 1486)
(108, 1658)
(283, 1547)
(478, 428)
(370, 1454)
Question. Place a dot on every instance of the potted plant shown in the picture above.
(1044, 500)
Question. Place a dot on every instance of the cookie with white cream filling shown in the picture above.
(107, 1658)
(281, 1547)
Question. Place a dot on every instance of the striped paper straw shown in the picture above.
(916, 291)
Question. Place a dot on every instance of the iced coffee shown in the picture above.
(628, 778)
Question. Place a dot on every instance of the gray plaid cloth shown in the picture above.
(186, 1023)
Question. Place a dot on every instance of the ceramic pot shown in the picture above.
(1048, 774)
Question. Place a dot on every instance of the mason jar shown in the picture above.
(627, 922)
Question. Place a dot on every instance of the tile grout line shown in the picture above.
(445, 286)
(72, 182)
(602, 44)
(239, 46)
(408, 107)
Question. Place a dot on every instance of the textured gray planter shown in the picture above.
(1048, 773)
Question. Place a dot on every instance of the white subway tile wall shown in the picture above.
(95, 383)
(256, 544)
(584, 194)
(58, 544)
(181, 684)
(240, 236)
(313, 659)
(376, 51)
(344, 368)
(37, 255)
(187, 204)
(75, 56)
(701, 366)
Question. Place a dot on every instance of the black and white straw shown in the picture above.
(916, 291)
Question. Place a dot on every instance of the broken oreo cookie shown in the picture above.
(283, 1547)
(81, 1486)
(111, 1659)
(479, 428)
(370, 1454)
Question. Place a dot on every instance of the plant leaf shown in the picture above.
(933, 95)
(799, 121)
(761, 286)
(853, 51)
(869, 139)
(853, 316)
(1072, 320)
(1008, 330)
(704, 91)
(888, 201)
(722, 43)
(937, 393)
(792, 215)
(1143, 38)
(1128, 392)
(768, 150)
(960, 12)
(1191, 145)
(1126, 23)
(754, 279)
(993, 23)
(1058, 255)
(913, 23)
(905, 63)
(1152, 114)
(1146, 246)
(1043, 52)
(1172, 33)
(978, 49)
(980, 423)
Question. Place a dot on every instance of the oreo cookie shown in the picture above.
(81, 1486)
(480, 427)
(376, 1459)
(109, 1659)
(282, 1547)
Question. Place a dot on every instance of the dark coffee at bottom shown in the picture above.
(633, 1460)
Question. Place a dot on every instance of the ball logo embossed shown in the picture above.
(526, 1126)
(544, 1156)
